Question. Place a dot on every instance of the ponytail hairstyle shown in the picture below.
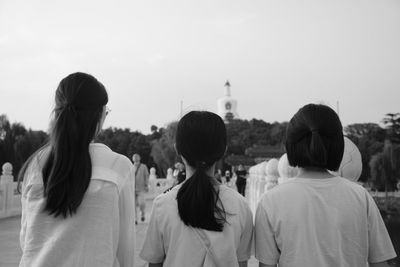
(314, 138)
(79, 102)
(201, 141)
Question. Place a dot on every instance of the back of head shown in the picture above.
(201, 140)
(136, 158)
(79, 104)
(314, 138)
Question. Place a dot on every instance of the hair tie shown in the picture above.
(70, 107)
(201, 164)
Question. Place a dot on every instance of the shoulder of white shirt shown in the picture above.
(109, 173)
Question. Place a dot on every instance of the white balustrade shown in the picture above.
(153, 174)
(170, 174)
(272, 174)
(10, 199)
(256, 184)
(285, 170)
(159, 185)
(3, 200)
(264, 176)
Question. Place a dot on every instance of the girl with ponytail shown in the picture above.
(316, 218)
(199, 222)
(77, 201)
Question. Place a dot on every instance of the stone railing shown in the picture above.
(266, 175)
(10, 199)
(159, 185)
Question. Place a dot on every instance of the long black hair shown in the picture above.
(314, 138)
(79, 102)
(201, 141)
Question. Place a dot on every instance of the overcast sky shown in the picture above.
(150, 55)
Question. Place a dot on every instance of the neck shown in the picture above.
(314, 173)
(190, 171)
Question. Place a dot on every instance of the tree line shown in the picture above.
(379, 146)
(380, 151)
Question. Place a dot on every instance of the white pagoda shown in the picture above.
(227, 105)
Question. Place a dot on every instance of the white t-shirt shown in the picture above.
(170, 241)
(101, 233)
(320, 222)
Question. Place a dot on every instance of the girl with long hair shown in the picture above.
(199, 222)
(77, 200)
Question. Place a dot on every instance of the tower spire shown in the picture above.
(228, 88)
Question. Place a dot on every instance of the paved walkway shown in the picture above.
(9, 242)
(10, 252)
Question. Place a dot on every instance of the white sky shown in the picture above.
(277, 54)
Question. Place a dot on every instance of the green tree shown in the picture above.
(234, 128)
(372, 131)
(139, 144)
(163, 151)
(278, 133)
(369, 138)
(27, 144)
(127, 143)
(385, 167)
(17, 143)
(392, 122)
(156, 133)
(6, 145)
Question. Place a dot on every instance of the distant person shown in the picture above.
(77, 199)
(241, 179)
(179, 173)
(141, 185)
(199, 222)
(316, 218)
(227, 176)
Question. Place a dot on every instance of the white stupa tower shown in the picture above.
(227, 105)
